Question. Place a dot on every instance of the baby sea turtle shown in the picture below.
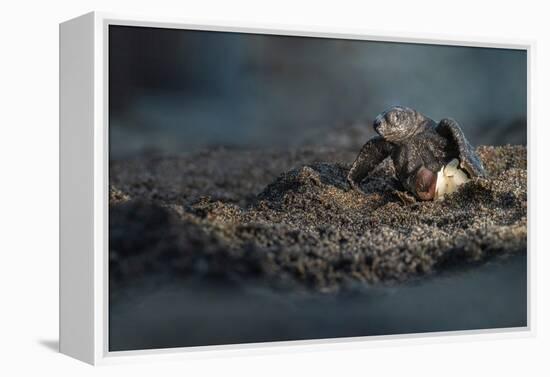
(421, 150)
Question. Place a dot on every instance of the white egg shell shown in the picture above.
(449, 178)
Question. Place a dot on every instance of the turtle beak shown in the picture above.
(378, 124)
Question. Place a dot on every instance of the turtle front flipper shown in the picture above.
(469, 161)
(370, 156)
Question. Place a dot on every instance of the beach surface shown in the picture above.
(288, 218)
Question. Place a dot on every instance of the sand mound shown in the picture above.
(226, 214)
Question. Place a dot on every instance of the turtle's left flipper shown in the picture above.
(469, 161)
(371, 155)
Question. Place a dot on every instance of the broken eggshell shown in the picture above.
(449, 178)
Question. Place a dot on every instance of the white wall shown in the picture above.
(29, 189)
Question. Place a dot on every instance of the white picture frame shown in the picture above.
(84, 191)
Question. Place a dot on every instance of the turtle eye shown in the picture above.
(396, 117)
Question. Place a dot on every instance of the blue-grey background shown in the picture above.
(175, 91)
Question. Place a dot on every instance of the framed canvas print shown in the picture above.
(225, 187)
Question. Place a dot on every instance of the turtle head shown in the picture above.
(398, 123)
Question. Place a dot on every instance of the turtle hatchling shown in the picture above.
(430, 159)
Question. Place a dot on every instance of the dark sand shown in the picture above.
(289, 220)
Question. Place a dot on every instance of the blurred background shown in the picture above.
(176, 91)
